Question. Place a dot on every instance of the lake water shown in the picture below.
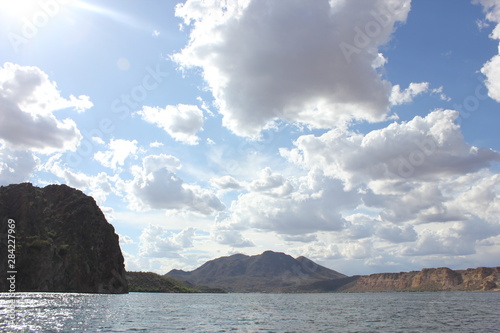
(146, 312)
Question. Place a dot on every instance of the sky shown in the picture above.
(361, 134)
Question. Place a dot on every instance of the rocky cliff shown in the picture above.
(428, 279)
(63, 241)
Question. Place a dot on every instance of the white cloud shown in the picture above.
(118, 152)
(28, 101)
(396, 234)
(228, 236)
(155, 241)
(98, 140)
(181, 122)
(432, 243)
(154, 163)
(16, 166)
(442, 95)
(427, 190)
(315, 204)
(360, 226)
(125, 240)
(399, 97)
(423, 148)
(482, 24)
(491, 69)
(226, 183)
(361, 249)
(98, 186)
(271, 184)
(156, 186)
(300, 238)
(311, 62)
(156, 144)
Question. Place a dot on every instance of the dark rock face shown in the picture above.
(267, 272)
(63, 241)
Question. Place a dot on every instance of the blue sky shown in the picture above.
(361, 134)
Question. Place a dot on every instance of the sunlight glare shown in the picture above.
(18, 9)
(114, 15)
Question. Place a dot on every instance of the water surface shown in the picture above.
(150, 312)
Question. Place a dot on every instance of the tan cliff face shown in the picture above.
(63, 241)
(430, 279)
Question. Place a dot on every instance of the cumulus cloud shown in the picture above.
(491, 69)
(156, 186)
(426, 188)
(423, 148)
(313, 62)
(98, 186)
(228, 236)
(396, 234)
(316, 204)
(360, 226)
(440, 242)
(181, 122)
(118, 151)
(28, 101)
(492, 72)
(155, 241)
(272, 184)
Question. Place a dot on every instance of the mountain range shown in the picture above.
(279, 272)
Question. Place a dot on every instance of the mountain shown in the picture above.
(428, 279)
(63, 242)
(267, 272)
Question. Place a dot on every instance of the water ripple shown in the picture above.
(143, 312)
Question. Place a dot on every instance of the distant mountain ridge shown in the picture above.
(281, 273)
(267, 272)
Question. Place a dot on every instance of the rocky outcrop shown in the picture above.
(63, 241)
(429, 279)
(267, 272)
